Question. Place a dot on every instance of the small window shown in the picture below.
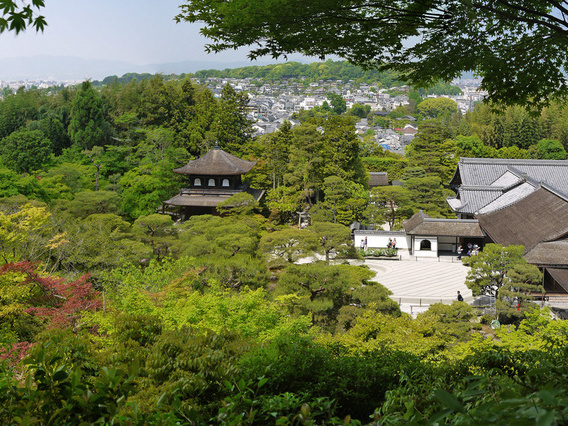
(225, 183)
(197, 182)
(211, 182)
(425, 245)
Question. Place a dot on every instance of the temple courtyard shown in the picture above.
(416, 284)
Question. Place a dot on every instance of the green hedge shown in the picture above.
(379, 252)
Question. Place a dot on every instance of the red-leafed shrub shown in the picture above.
(59, 301)
(15, 352)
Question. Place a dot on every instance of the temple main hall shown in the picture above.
(210, 180)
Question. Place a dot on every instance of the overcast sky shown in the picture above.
(134, 31)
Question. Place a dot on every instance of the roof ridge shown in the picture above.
(505, 161)
(523, 176)
(207, 164)
(553, 190)
(446, 219)
(503, 174)
(483, 188)
(536, 187)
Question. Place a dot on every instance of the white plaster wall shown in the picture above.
(382, 240)
(425, 253)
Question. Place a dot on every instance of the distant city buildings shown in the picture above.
(273, 102)
(13, 85)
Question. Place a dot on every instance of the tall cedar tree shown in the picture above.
(88, 127)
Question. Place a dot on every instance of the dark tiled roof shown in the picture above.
(488, 184)
(485, 171)
(422, 224)
(216, 163)
(472, 198)
(540, 216)
(378, 179)
(509, 197)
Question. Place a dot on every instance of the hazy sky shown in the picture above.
(135, 31)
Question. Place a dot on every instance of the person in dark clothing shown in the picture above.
(460, 297)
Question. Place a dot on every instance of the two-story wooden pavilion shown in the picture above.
(209, 180)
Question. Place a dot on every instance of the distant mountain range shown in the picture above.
(72, 68)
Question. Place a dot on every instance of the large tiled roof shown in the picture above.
(422, 224)
(540, 216)
(488, 184)
(485, 171)
(507, 179)
(216, 163)
(508, 197)
(471, 198)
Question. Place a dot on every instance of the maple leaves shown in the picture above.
(16, 17)
(58, 302)
(30, 301)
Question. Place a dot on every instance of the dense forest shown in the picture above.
(113, 313)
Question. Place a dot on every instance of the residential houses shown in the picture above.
(273, 102)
